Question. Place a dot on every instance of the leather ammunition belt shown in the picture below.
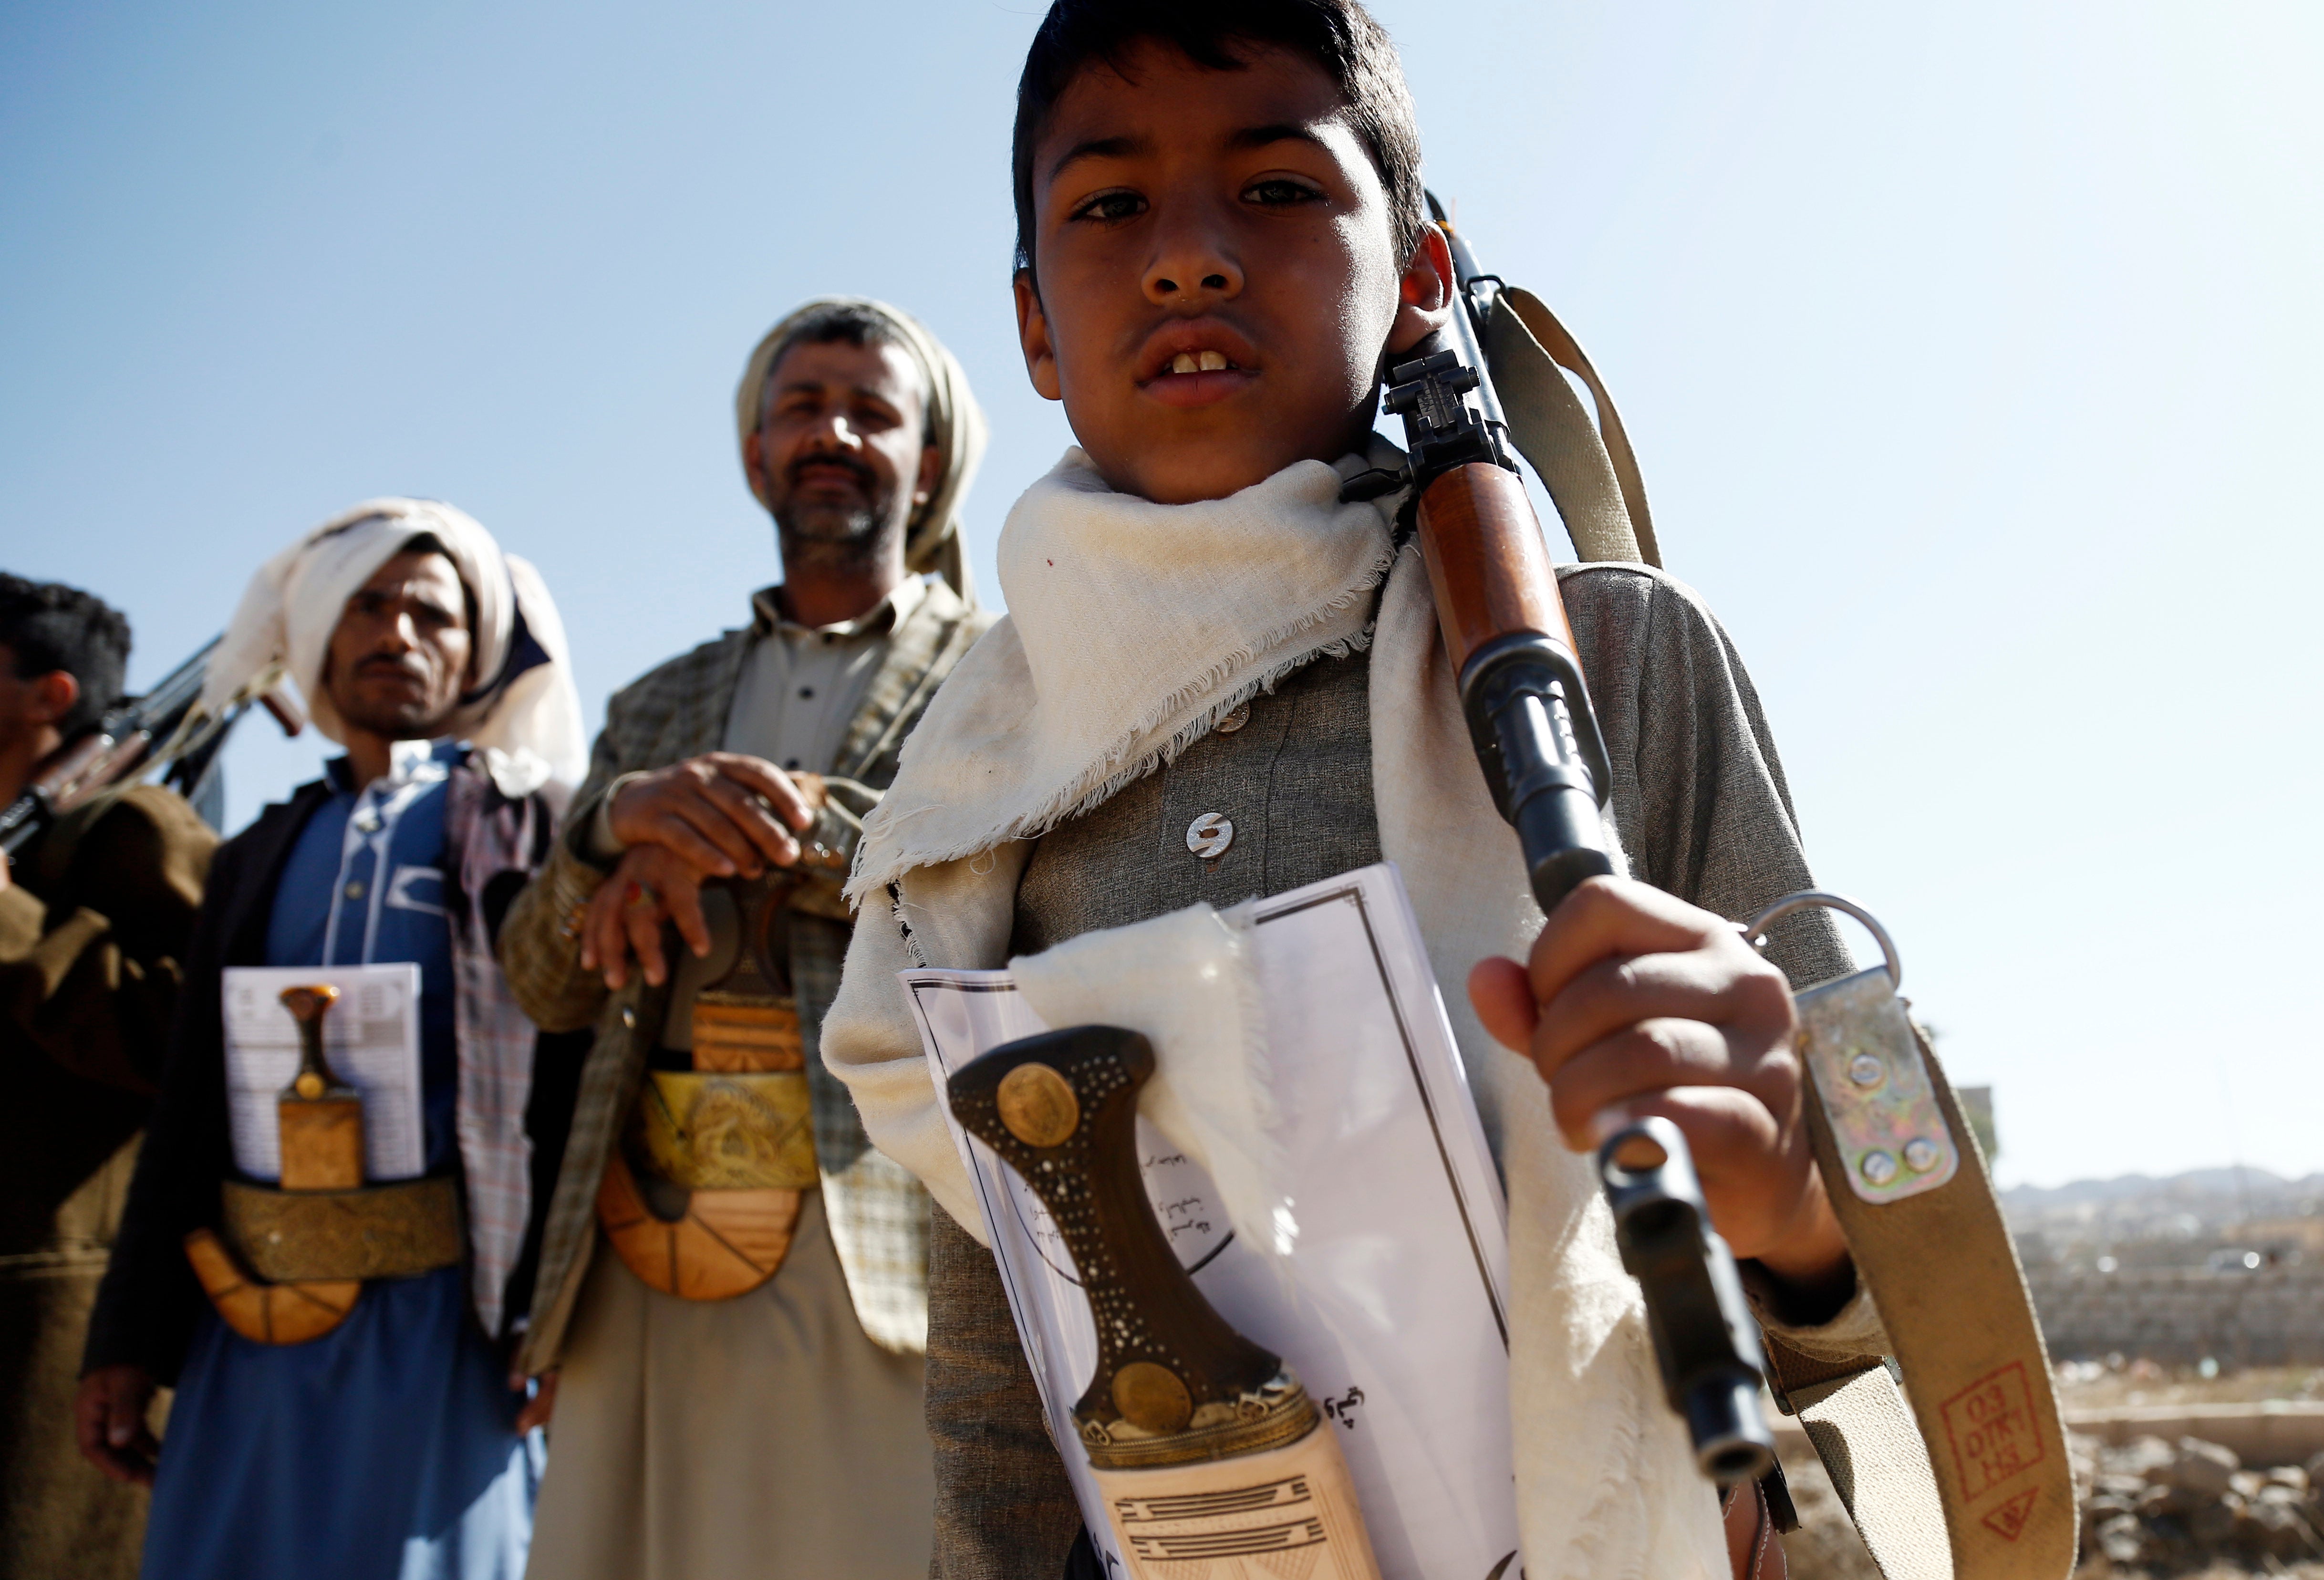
(727, 1130)
(379, 1232)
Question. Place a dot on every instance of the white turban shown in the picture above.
(521, 711)
(932, 539)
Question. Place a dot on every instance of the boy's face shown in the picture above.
(1217, 273)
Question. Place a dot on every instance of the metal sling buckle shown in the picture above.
(1865, 1062)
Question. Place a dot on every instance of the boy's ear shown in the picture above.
(1033, 334)
(53, 696)
(1425, 294)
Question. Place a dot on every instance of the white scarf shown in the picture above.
(1132, 627)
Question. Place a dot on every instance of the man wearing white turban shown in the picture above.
(737, 1325)
(389, 1443)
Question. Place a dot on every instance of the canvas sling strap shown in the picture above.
(1970, 1480)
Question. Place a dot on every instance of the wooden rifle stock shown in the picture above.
(1527, 707)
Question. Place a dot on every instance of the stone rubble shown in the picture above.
(2150, 1507)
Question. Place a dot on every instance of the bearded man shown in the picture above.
(739, 1379)
(380, 1440)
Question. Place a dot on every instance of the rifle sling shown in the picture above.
(1592, 478)
(1921, 1481)
(1970, 1478)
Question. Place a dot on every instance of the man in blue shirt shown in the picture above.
(390, 1445)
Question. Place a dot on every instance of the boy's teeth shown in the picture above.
(1183, 363)
(1212, 362)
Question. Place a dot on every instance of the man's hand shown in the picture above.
(540, 1407)
(1633, 1003)
(648, 886)
(720, 812)
(719, 816)
(109, 1420)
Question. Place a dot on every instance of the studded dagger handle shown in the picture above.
(1061, 1109)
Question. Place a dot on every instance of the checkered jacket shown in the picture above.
(878, 1213)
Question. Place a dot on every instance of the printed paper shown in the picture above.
(371, 1038)
(1393, 1314)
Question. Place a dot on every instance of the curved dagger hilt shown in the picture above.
(319, 1117)
(1173, 1380)
(307, 1006)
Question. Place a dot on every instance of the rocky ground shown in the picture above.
(2188, 1510)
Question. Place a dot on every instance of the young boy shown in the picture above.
(1218, 680)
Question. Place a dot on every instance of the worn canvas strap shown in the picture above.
(1590, 473)
(1970, 1480)
(1974, 1482)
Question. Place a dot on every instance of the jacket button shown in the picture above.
(1237, 716)
(1209, 836)
(629, 1018)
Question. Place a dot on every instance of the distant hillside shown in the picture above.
(2182, 1220)
(2213, 1186)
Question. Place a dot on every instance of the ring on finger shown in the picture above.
(642, 898)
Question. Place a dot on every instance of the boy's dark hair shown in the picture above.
(1339, 35)
(49, 626)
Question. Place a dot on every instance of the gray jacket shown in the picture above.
(1703, 813)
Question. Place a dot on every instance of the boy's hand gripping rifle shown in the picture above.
(1530, 717)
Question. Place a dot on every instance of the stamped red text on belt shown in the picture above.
(2008, 1522)
(1992, 1429)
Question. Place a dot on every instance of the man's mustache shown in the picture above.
(411, 668)
(865, 478)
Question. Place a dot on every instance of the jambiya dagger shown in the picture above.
(1205, 1447)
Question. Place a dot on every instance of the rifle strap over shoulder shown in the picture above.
(1590, 473)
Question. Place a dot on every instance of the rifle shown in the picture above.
(1527, 707)
(122, 750)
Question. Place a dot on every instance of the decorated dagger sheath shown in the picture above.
(1202, 1444)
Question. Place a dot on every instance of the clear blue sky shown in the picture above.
(1972, 354)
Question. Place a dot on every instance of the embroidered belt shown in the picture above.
(379, 1232)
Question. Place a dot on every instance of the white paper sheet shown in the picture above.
(370, 1037)
(1393, 1312)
